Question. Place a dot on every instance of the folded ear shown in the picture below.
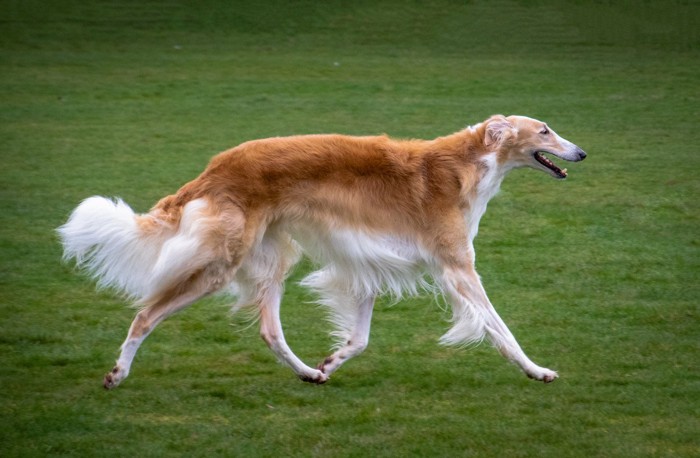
(498, 130)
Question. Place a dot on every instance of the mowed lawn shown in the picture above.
(597, 275)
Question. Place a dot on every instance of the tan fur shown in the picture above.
(378, 184)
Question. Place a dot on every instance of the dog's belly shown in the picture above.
(362, 263)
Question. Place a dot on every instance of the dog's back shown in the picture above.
(335, 180)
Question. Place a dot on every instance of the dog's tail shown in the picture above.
(141, 256)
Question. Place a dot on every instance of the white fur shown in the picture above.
(487, 188)
(468, 323)
(358, 266)
(104, 238)
(363, 264)
(355, 267)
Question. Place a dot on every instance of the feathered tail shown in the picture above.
(138, 255)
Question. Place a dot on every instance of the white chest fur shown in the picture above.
(488, 186)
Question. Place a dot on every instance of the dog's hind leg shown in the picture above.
(144, 322)
(271, 332)
(202, 283)
(475, 316)
(264, 273)
(358, 340)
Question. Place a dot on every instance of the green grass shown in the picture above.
(597, 276)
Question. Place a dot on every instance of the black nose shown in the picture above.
(581, 154)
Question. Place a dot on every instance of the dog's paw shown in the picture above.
(544, 375)
(113, 379)
(316, 376)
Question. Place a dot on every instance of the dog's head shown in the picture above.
(522, 142)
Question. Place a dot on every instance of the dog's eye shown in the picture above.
(544, 131)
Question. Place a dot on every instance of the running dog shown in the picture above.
(376, 214)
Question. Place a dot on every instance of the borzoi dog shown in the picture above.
(376, 214)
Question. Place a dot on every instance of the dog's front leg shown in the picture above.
(359, 337)
(475, 317)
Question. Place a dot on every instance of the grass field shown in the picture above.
(597, 276)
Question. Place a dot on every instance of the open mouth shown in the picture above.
(559, 173)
